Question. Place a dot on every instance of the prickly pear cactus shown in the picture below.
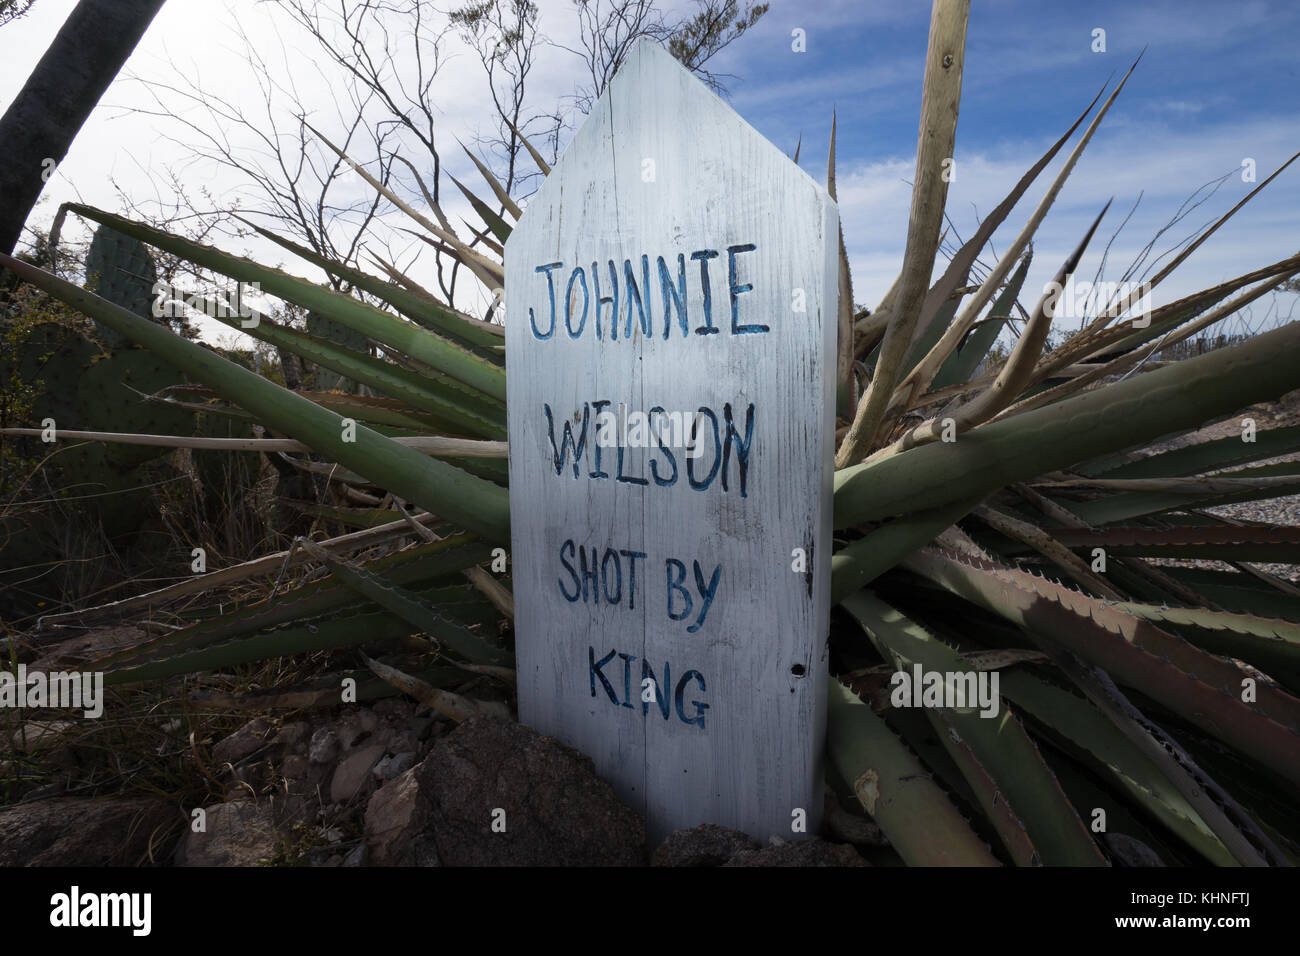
(56, 356)
(86, 490)
(121, 270)
(111, 398)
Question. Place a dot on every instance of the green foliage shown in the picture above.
(323, 327)
(121, 270)
(1124, 695)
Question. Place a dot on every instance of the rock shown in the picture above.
(243, 743)
(348, 733)
(110, 831)
(1131, 851)
(810, 852)
(706, 845)
(45, 792)
(390, 767)
(549, 807)
(239, 833)
(395, 818)
(295, 767)
(357, 857)
(34, 735)
(397, 709)
(324, 746)
(356, 728)
(353, 771)
(323, 856)
(292, 736)
(403, 740)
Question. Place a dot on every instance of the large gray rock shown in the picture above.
(396, 818)
(243, 743)
(324, 745)
(71, 831)
(810, 852)
(239, 833)
(353, 772)
(548, 806)
(706, 845)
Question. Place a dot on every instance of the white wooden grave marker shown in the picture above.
(675, 275)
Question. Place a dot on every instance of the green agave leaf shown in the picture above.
(1160, 325)
(480, 337)
(495, 223)
(916, 731)
(1101, 346)
(1127, 505)
(310, 635)
(895, 789)
(374, 323)
(1206, 456)
(351, 517)
(1084, 726)
(352, 627)
(1226, 543)
(1268, 799)
(390, 416)
(498, 190)
(1120, 339)
(996, 755)
(990, 798)
(861, 562)
(451, 404)
(1193, 684)
(922, 376)
(1078, 428)
(374, 409)
(1234, 591)
(1125, 820)
(1264, 642)
(931, 333)
(422, 564)
(408, 606)
(439, 488)
(960, 365)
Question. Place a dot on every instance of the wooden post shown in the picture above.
(675, 277)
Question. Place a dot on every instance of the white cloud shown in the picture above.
(1123, 161)
(1132, 153)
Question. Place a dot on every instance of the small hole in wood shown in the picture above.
(797, 670)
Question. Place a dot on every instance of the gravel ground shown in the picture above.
(1280, 511)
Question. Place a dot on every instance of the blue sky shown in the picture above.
(1028, 67)
(1219, 83)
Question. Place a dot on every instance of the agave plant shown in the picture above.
(1004, 521)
